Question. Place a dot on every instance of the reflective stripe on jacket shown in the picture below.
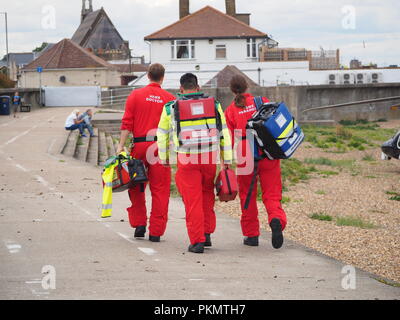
(108, 177)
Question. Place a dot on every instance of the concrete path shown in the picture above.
(50, 229)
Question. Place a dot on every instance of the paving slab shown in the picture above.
(50, 222)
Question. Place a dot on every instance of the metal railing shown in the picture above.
(354, 103)
(115, 98)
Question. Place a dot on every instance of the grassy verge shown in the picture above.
(354, 222)
(344, 221)
(321, 217)
(348, 135)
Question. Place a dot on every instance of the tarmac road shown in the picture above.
(53, 244)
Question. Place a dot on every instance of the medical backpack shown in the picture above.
(276, 135)
(276, 132)
(226, 185)
(197, 121)
(128, 173)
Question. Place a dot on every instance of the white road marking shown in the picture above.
(50, 148)
(24, 133)
(13, 247)
(34, 281)
(214, 294)
(19, 136)
(124, 236)
(21, 168)
(196, 279)
(75, 204)
(148, 251)
(42, 181)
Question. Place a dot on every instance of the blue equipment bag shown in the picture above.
(276, 132)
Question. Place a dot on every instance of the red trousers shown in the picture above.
(159, 181)
(195, 183)
(269, 175)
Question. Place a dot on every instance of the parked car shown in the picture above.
(391, 148)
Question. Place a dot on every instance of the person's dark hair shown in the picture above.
(156, 72)
(239, 86)
(189, 81)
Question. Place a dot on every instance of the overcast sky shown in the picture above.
(365, 29)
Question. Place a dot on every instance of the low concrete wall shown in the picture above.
(300, 98)
(310, 97)
(29, 96)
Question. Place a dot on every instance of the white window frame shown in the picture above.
(221, 46)
(251, 48)
(175, 44)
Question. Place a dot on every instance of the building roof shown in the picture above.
(223, 78)
(98, 32)
(22, 58)
(68, 55)
(207, 23)
(125, 68)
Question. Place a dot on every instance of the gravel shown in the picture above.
(361, 192)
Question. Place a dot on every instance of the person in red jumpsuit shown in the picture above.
(142, 114)
(268, 173)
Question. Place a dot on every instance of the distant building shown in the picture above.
(98, 34)
(207, 41)
(68, 64)
(355, 64)
(16, 62)
(318, 60)
(206, 36)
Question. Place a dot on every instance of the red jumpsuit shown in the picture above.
(269, 173)
(195, 182)
(142, 114)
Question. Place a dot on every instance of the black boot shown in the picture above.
(197, 248)
(251, 241)
(277, 236)
(140, 232)
(208, 242)
(154, 238)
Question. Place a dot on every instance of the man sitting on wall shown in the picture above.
(73, 123)
(87, 118)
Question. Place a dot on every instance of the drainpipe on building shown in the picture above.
(149, 43)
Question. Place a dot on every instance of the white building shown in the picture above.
(208, 40)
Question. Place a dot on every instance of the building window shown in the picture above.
(220, 51)
(182, 49)
(251, 48)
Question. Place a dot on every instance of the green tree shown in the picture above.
(38, 49)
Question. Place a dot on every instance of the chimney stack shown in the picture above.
(231, 7)
(184, 9)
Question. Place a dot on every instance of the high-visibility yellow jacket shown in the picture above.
(108, 178)
(167, 126)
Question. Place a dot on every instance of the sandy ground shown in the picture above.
(359, 192)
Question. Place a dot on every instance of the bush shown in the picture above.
(343, 133)
(6, 82)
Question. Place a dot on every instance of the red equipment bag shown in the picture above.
(128, 173)
(226, 185)
(197, 122)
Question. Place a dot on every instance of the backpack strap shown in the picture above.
(252, 185)
(258, 101)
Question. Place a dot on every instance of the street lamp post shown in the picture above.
(8, 58)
